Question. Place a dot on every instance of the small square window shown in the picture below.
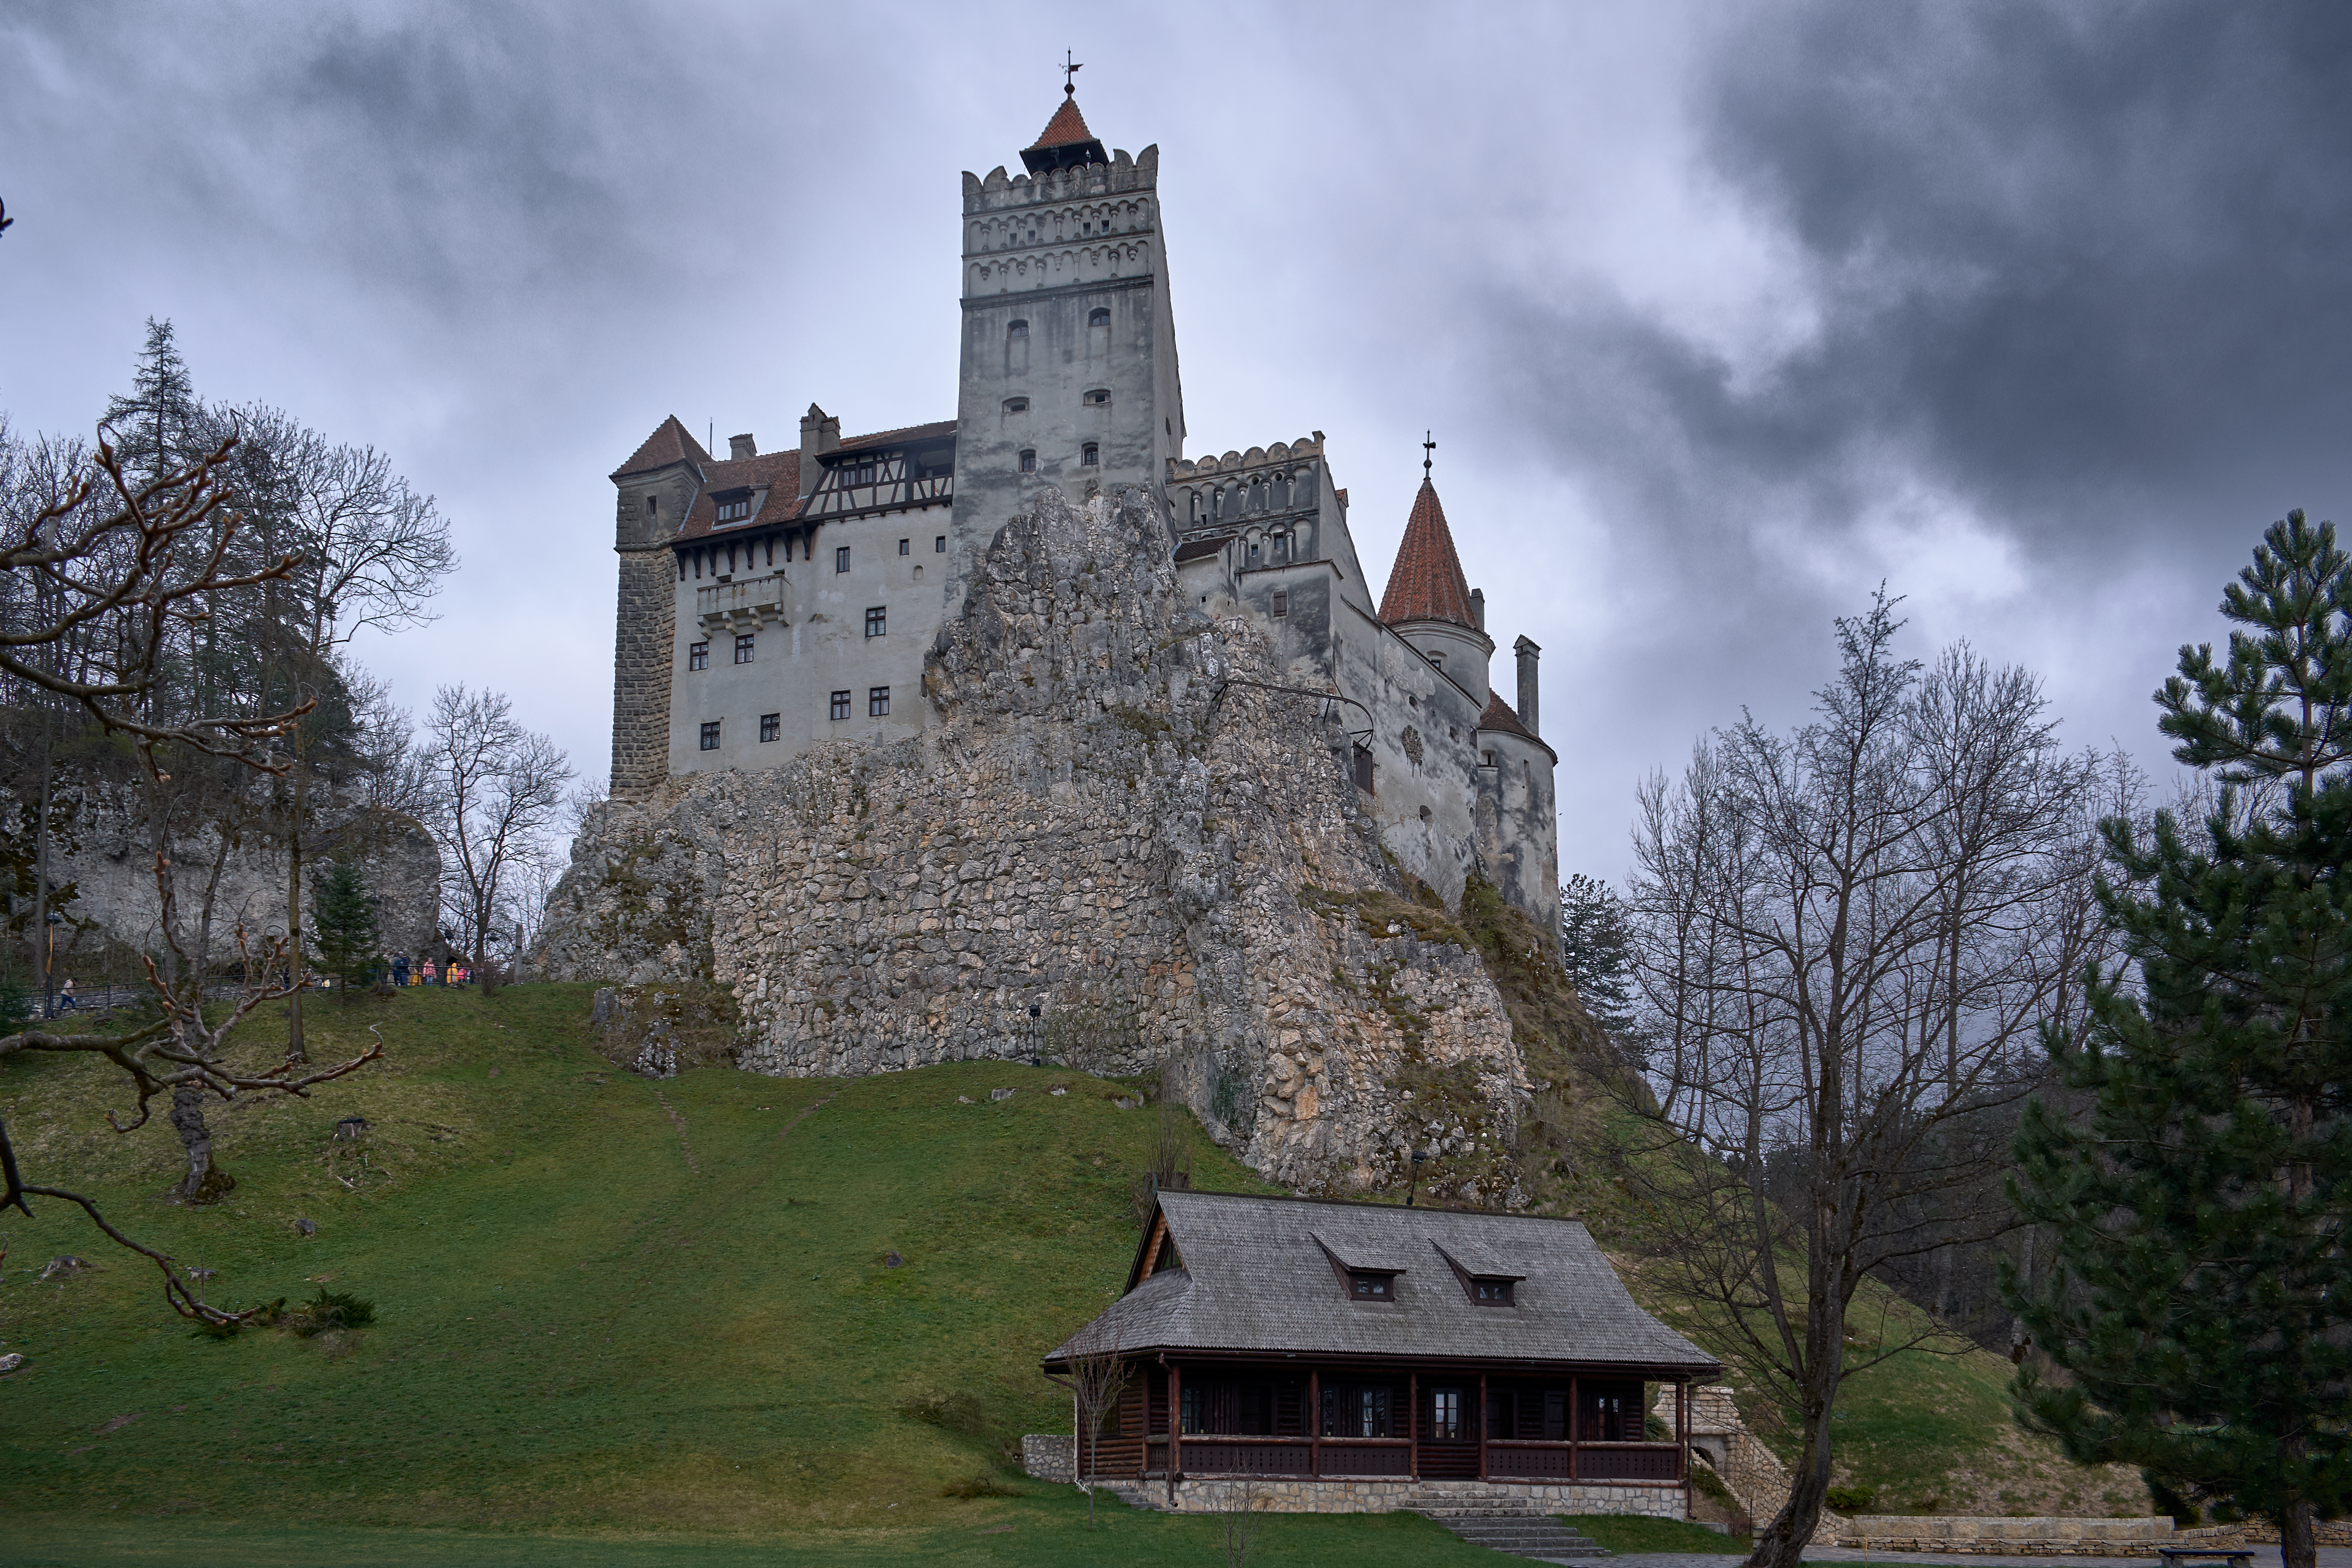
(697, 655)
(940, 546)
(841, 559)
(906, 546)
(841, 704)
(743, 648)
(1366, 1286)
(1281, 602)
(1028, 461)
(878, 702)
(710, 736)
(1089, 454)
(771, 726)
(875, 621)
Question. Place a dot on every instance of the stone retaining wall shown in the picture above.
(2043, 1537)
(1049, 1455)
(1280, 1496)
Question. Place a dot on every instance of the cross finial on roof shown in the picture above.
(1429, 447)
(1071, 66)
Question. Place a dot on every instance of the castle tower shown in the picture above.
(1068, 373)
(656, 486)
(1429, 601)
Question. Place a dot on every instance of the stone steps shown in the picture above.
(1503, 1524)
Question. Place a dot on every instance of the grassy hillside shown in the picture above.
(605, 1305)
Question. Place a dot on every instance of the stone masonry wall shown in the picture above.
(641, 669)
(1274, 1495)
(1105, 849)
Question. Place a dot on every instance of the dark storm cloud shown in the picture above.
(2084, 266)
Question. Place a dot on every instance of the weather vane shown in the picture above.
(1429, 446)
(1071, 66)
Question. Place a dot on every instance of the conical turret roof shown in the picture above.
(1065, 141)
(1426, 584)
(671, 442)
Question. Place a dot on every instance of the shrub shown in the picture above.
(979, 1487)
(1851, 1499)
(330, 1309)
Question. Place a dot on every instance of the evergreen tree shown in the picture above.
(2202, 1305)
(343, 924)
(153, 426)
(1594, 949)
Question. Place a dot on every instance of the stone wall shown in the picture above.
(103, 862)
(1106, 848)
(643, 626)
(1277, 1495)
(2006, 1537)
(1050, 1455)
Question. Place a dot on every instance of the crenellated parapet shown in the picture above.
(1211, 495)
(1080, 183)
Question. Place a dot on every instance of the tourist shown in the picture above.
(428, 971)
(66, 997)
(400, 971)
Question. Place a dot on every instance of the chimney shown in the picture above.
(1529, 653)
(1478, 608)
(741, 447)
(820, 434)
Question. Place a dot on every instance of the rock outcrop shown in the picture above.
(1121, 844)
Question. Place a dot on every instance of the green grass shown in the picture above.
(1624, 1534)
(1047, 1531)
(601, 1303)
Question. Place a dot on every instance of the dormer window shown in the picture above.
(1491, 1292)
(734, 506)
(1364, 1285)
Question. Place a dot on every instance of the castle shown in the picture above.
(771, 601)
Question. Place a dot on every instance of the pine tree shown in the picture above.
(342, 925)
(2202, 1305)
(1595, 949)
(152, 427)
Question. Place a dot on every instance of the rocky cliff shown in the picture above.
(1120, 844)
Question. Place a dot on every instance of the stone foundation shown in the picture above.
(1277, 1495)
(1049, 1456)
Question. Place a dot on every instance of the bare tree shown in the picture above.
(1846, 941)
(1097, 1380)
(496, 789)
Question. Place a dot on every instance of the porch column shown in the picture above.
(1315, 1424)
(1175, 1425)
(1575, 1419)
(1485, 1424)
(1682, 1442)
(1413, 1426)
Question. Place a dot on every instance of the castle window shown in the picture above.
(940, 546)
(1490, 759)
(864, 472)
(1028, 461)
(841, 559)
(653, 506)
(697, 655)
(906, 546)
(1016, 329)
(878, 702)
(1098, 317)
(771, 726)
(1253, 553)
(743, 648)
(710, 736)
(1089, 454)
(1281, 603)
(735, 508)
(1016, 405)
(875, 618)
(1363, 769)
(1098, 397)
(841, 704)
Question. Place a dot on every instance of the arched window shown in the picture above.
(1028, 461)
(1089, 454)
(1098, 317)
(1099, 397)
(1017, 330)
(1016, 405)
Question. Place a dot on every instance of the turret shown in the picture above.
(1429, 601)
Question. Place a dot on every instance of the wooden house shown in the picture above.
(1345, 1342)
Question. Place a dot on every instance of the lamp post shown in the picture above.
(1420, 1158)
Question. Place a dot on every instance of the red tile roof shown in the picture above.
(1500, 715)
(903, 434)
(780, 472)
(671, 442)
(1427, 583)
(1066, 129)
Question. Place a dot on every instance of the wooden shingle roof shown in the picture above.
(1257, 1278)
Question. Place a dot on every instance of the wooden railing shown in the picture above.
(1517, 1459)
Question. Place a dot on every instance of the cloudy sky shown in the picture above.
(1722, 314)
